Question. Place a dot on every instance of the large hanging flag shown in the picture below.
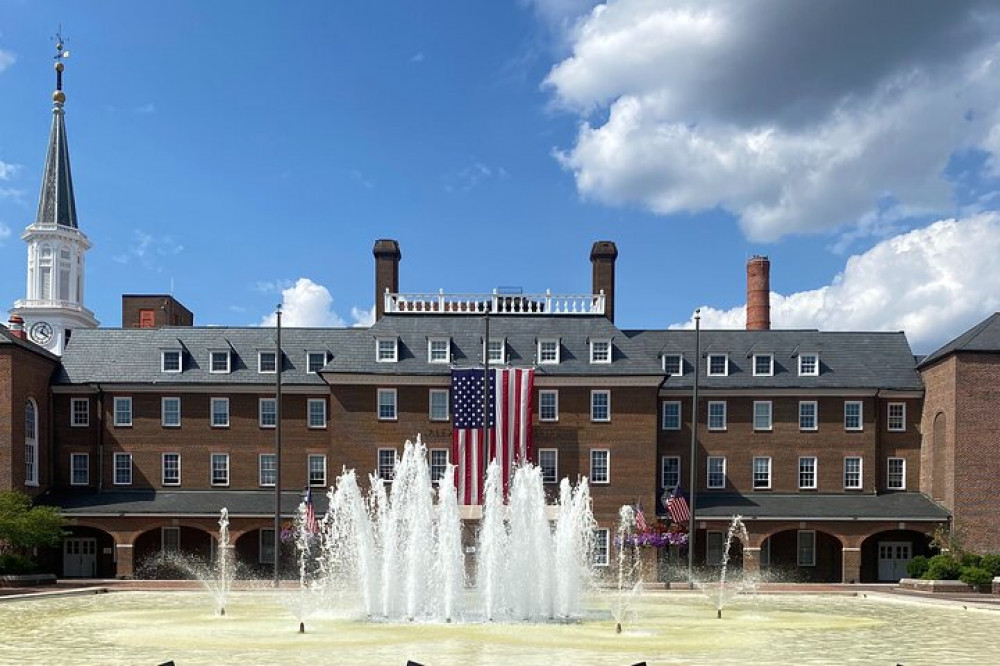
(677, 506)
(510, 413)
(312, 526)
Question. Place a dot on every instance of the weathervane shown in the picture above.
(58, 96)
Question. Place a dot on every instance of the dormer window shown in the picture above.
(673, 364)
(808, 365)
(438, 350)
(386, 350)
(219, 362)
(267, 362)
(548, 351)
(718, 365)
(600, 351)
(496, 350)
(763, 365)
(315, 361)
(170, 360)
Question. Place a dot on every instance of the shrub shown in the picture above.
(970, 560)
(942, 567)
(13, 564)
(991, 563)
(976, 577)
(917, 567)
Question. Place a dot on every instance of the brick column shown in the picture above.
(851, 558)
(751, 561)
(123, 553)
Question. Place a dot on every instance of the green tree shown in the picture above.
(23, 526)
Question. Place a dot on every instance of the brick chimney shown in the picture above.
(602, 256)
(758, 293)
(387, 256)
(16, 327)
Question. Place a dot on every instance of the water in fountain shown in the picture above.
(398, 554)
(723, 590)
(628, 583)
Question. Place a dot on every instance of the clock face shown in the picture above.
(41, 332)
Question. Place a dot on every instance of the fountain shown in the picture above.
(720, 592)
(629, 567)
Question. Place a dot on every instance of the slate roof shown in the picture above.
(984, 337)
(178, 502)
(800, 506)
(520, 331)
(131, 356)
(7, 338)
(867, 360)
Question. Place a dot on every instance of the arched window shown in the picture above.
(30, 443)
(939, 457)
(45, 274)
(65, 265)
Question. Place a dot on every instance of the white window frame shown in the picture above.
(260, 362)
(593, 405)
(502, 358)
(437, 341)
(115, 469)
(542, 342)
(597, 356)
(436, 467)
(770, 365)
(73, 457)
(763, 405)
(663, 415)
(902, 417)
(889, 473)
(431, 393)
(122, 399)
(309, 470)
(753, 473)
(708, 473)
(379, 464)
(211, 361)
(163, 360)
(664, 483)
(607, 466)
(708, 416)
(260, 469)
(265, 545)
(309, 413)
(309, 355)
(211, 469)
(815, 415)
(815, 365)
(555, 466)
(861, 467)
(175, 539)
(163, 411)
(810, 549)
(861, 415)
(815, 473)
(211, 412)
(84, 422)
(680, 365)
(387, 358)
(260, 413)
(708, 366)
(378, 404)
(602, 547)
(555, 395)
(715, 543)
(163, 469)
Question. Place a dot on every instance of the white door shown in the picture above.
(80, 558)
(893, 556)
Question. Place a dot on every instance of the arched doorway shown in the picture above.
(86, 552)
(152, 548)
(805, 555)
(884, 555)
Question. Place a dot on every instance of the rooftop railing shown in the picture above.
(496, 304)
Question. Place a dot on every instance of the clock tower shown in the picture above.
(53, 305)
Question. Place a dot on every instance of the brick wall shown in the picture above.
(24, 375)
(937, 426)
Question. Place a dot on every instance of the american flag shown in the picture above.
(311, 525)
(677, 506)
(510, 412)
(640, 519)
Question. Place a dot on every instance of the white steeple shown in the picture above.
(53, 304)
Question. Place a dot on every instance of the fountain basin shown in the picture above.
(671, 627)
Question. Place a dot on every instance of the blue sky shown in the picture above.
(246, 153)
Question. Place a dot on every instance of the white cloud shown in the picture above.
(794, 117)
(6, 59)
(148, 250)
(305, 304)
(4, 232)
(417, 57)
(933, 283)
(7, 170)
(363, 318)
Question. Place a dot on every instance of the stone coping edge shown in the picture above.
(21, 580)
(54, 594)
(946, 586)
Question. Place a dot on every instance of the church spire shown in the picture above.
(56, 204)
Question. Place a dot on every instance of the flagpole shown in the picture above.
(277, 448)
(486, 394)
(693, 465)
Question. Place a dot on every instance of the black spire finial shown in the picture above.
(60, 55)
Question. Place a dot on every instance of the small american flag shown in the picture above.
(311, 525)
(677, 506)
(640, 519)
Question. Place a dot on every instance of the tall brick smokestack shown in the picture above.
(602, 256)
(387, 256)
(758, 294)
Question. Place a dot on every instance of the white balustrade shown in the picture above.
(497, 304)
